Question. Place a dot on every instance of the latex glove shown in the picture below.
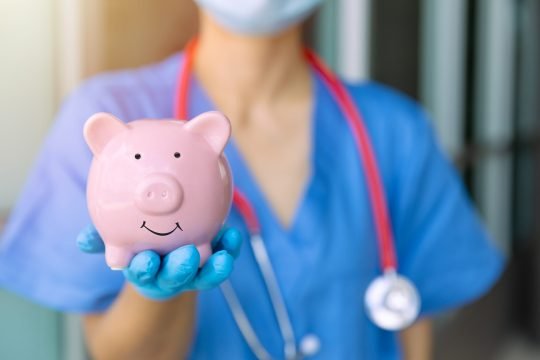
(163, 277)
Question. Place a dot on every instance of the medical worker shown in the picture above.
(297, 162)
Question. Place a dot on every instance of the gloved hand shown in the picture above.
(163, 277)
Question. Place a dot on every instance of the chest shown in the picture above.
(323, 260)
(278, 158)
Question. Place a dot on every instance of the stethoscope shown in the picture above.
(391, 300)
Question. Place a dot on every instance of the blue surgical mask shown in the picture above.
(258, 17)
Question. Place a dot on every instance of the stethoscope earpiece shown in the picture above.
(310, 345)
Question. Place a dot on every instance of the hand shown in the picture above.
(162, 278)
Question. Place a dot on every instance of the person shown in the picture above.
(295, 159)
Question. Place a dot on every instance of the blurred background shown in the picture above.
(474, 64)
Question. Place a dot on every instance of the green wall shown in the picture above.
(28, 331)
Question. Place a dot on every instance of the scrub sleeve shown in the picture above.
(39, 258)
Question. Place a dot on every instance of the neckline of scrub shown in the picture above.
(242, 175)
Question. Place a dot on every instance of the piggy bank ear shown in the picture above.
(99, 129)
(214, 127)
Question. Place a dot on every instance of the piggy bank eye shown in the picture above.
(177, 155)
(137, 156)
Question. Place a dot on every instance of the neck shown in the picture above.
(259, 69)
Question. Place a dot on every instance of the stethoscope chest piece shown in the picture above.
(392, 302)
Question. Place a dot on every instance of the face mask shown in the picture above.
(258, 17)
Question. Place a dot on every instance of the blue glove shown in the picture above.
(162, 278)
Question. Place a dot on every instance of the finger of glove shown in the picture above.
(179, 268)
(90, 241)
(230, 240)
(217, 269)
(143, 268)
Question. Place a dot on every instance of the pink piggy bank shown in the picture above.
(157, 184)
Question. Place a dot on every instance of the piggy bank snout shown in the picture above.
(159, 194)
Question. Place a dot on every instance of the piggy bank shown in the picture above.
(157, 184)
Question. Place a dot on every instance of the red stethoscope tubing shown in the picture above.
(351, 113)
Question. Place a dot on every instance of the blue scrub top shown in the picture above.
(324, 261)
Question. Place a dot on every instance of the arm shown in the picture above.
(153, 316)
(139, 328)
(416, 341)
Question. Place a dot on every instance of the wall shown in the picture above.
(27, 96)
(27, 104)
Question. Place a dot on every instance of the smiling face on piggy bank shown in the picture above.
(157, 184)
